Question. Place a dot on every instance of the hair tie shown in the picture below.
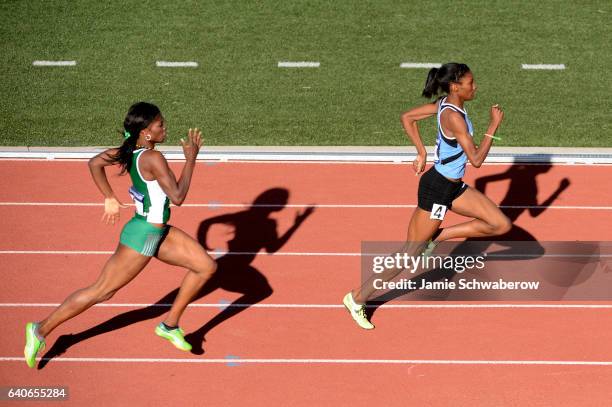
(126, 134)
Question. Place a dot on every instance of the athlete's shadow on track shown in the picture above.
(521, 197)
(253, 230)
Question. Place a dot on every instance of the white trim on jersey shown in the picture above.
(440, 124)
(156, 195)
(443, 105)
(455, 106)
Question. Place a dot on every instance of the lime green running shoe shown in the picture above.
(175, 336)
(357, 311)
(33, 345)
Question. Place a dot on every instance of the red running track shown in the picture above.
(417, 356)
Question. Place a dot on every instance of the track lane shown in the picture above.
(295, 385)
(428, 333)
(48, 181)
(326, 230)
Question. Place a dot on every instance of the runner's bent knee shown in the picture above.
(207, 267)
(201, 263)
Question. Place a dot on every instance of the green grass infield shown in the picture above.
(239, 96)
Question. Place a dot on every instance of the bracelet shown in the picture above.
(492, 136)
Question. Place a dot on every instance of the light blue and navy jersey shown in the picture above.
(450, 159)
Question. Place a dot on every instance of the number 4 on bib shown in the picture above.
(437, 212)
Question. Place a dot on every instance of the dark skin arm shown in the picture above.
(454, 125)
(112, 205)
(153, 166)
(409, 121)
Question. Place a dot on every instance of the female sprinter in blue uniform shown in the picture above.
(441, 188)
(147, 234)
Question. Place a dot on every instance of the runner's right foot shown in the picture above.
(175, 336)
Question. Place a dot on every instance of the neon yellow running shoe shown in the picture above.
(175, 336)
(33, 345)
(357, 311)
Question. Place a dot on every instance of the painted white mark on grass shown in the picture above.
(54, 63)
(299, 64)
(554, 67)
(417, 65)
(176, 64)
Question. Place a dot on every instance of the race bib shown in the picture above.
(437, 212)
(138, 198)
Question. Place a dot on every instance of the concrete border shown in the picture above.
(329, 154)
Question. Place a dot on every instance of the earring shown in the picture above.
(148, 137)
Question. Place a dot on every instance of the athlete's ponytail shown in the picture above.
(442, 78)
(431, 84)
(139, 117)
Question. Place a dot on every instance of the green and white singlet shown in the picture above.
(152, 204)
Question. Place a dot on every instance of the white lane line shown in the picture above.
(589, 208)
(37, 158)
(218, 253)
(324, 361)
(330, 306)
(357, 206)
(593, 160)
(54, 63)
(417, 65)
(52, 204)
(176, 64)
(377, 206)
(554, 67)
(298, 64)
(73, 252)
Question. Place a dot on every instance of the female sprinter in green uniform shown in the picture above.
(441, 188)
(146, 234)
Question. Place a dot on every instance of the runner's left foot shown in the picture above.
(33, 345)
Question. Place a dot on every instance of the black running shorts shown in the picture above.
(437, 193)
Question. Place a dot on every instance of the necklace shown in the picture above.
(138, 146)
